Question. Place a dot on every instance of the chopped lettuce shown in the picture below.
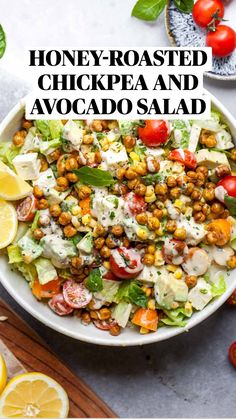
(28, 271)
(108, 291)
(181, 134)
(121, 313)
(47, 147)
(219, 288)
(32, 141)
(94, 281)
(131, 292)
(56, 128)
(29, 248)
(35, 221)
(8, 152)
(14, 254)
(177, 317)
(45, 270)
(43, 128)
(127, 127)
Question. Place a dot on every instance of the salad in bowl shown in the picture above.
(122, 224)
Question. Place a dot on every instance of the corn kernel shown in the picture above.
(142, 234)
(171, 268)
(76, 210)
(75, 221)
(86, 219)
(150, 199)
(106, 264)
(188, 306)
(159, 261)
(134, 156)
(104, 144)
(159, 232)
(164, 212)
(71, 199)
(151, 304)
(178, 273)
(149, 190)
(188, 212)
(178, 203)
(143, 330)
(177, 168)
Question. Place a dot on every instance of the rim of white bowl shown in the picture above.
(116, 340)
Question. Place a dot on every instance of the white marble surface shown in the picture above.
(188, 376)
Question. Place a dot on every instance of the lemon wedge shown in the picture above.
(8, 223)
(33, 395)
(3, 374)
(12, 187)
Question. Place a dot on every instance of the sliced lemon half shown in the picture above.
(3, 374)
(12, 186)
(8, 223)
(34, 395)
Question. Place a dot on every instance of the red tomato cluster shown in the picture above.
(221, 38)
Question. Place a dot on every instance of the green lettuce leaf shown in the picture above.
(14, 254)
(219, 288)
(131, 292)
(94, 281)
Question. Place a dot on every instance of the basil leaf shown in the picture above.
(148, 9)
(184, 6)
(230, 203)
(94, 281)
(94, 177)
(3, 42)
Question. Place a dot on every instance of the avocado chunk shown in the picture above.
(210, 158)
(86, 243)
(169, 290)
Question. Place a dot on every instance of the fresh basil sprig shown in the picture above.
(94, 177)
(94, 281)
(3, 42)
(151, 9)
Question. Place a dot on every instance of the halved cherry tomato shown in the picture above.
(110, 276)
(135, 203)
(154, 133)
(232, 353)
(104, 324)
(229, 184)
(222, 41)
(27, 208)
(232, 299)
(205, 10)
(125, 263)
(174, 251)
(183, 156)
(85, 206)
(222, 228)
(59, 306)
(46, 290)
(147, 318)
(76, 295)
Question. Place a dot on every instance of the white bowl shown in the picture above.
(19, 290)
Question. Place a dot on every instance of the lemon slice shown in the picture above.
(3, 374)
(33, 395)
(8, 223)
(12, 187)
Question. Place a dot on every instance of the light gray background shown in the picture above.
(188, 376)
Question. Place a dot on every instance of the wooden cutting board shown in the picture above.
(34, 355)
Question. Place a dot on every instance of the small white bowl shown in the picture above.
(71, 326)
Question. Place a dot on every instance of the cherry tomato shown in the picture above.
(222, 41)
(46, 290)
(232, 299)
(104, 324)
(110, 276)
(232, 353)
(154, 133)
(183, 156)
(76, 295)
(205, 10)
(135, 203)
(229, 184)
(59, 306)
(125, 263)
(27, 208)
(174, 251)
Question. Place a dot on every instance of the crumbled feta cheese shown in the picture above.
(74, 134)
(27, 165)
(46, 181)
(116, 156)
(195, 232)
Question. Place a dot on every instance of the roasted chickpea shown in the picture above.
(200, 179)
(191, 281)
(140, 189)
(104, 313)
(97, 125)
(233, 154)
(117, 230)
(43, 204)
(199, 217)
(203, 170)
(151, 249)
(71, 164)
(211, 237)
(105, 252)
(64, 218)
(158, 213)
(197, 206)
(19, 138)
(38, 234)
(77, 262)
(192, 176)
(99, 230)
(123, 189)
(115, 330)
(148, 259)
(141, 168)
(44, 164)
(171, 182)
(55, 210)
(222, 170)
(54, 155)
(196, 195)
(206, 209)
(208, 138)
(142, 218)
(72, 177)
(62, 183)
(110, 242)
(210, 185)
(97, 157)
(70, 230)
(153, 223)
(231, 263)
(131, 174)
(225, 214)
(209, 194)
(133, 183)
(120, 173)
(99, 243)
(161, 189)
(84, 192)
(153, 164)
(85, 318)
(189, 188)
(180, 234)
(26, 124)
(175, 193)
(217, 208)
(88, 139)
(38, 193)
(126, 242)
(171, 226)
(129, 142)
